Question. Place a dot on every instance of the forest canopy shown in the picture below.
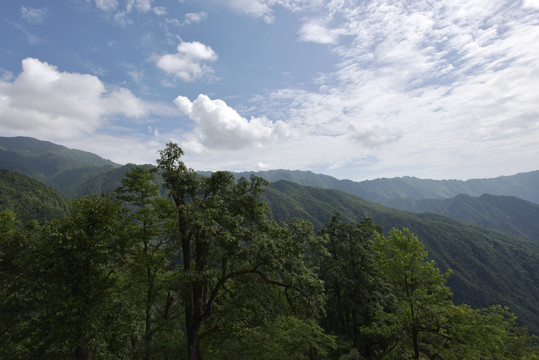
(197, 269)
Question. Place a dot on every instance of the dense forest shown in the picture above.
(177, 265)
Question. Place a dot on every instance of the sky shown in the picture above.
(438, 89)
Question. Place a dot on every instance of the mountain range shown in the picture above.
(506, 203)
(499, 265)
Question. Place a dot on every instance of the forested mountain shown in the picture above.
(488, 266)
(29, 147)
(482, 260)
(204, 271)
(505, 213)
(29, 198)
(54, 165)
(391, 192)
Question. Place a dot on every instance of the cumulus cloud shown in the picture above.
(45, 101)
(189, 62)
(218, 126)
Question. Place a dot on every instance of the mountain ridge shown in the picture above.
(490, 266)
(76, 173)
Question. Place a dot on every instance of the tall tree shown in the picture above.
(224, 234)
(423, 322)
(16, 297)
(146, 264)
(416, 323)
(81, 315)
(354, 286)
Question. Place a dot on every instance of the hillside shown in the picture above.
(391, 192)
(504, 213)
(489, 267)
(29, 199)
(54, 165)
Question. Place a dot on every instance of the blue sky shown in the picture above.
(444, 89)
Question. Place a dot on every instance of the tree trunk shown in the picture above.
(415, 340)
(192, 339)
(81, 353)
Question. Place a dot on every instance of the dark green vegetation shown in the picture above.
(205, 273)
(252, 287)
(504, 213)
(63, 169)
(29, 199)
(76, 173)
(489, 267)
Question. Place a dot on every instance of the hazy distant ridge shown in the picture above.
(391, 191)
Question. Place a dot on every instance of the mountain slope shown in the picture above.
(390, 192)
(489, 267)
(505, 213)
(29, 199)
(54, 165)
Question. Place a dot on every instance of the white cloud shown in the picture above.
(121, 14)
(530, 4)
(30, 38)
(43, 101)
(253, 8)
(160, 10)
(34, 16)
(189, 62)
(5, 75)
(142, 6)
(195, 17)
(218, 126)
(315, 30)
(135, 148)
(421, 85)
(106, 5)
(370, 135)
(264, 8)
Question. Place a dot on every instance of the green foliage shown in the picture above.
(206, 273)
(488, 267)
(79, 311)
(504, 213)
(54, 165)
(15, 298)
(423, 322)
(29, 199)
(224, 234)
(414, 324)
(146, 271)
(354, 287)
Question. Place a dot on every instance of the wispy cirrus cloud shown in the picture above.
(316, 30)
(264, 9)
(33, 15)
(120, 11)
(429, 82)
